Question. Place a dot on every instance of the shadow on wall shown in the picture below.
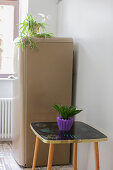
(79, 65)
(74, 77)
(85, 149)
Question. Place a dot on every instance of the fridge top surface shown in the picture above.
(52, 39)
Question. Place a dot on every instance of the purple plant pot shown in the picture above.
(64, 124)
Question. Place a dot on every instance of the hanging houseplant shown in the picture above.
(65, 120)
(30, 28)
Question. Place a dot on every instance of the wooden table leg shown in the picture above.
(35, 153)
(96, 155)
(50, 156)
(75, 156)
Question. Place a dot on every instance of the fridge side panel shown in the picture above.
(18, 118)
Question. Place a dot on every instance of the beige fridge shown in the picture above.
(43, 77)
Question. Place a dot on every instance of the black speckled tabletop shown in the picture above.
(49, 132)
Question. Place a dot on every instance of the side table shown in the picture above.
(80, 132)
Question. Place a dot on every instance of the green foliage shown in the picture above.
(30, 28)
(44, 35)
(65, 112)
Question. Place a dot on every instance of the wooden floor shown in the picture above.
(8, 163)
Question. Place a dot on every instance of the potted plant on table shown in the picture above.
(65, 120)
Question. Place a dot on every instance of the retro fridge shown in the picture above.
(43, 77)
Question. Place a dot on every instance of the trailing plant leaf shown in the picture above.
(44, 35)
(30, 28)
(66, 111)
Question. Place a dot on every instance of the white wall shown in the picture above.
(23, 9)
(6, 88)
(47, 7)
(90, 23)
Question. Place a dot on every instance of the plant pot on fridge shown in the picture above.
(65, 120)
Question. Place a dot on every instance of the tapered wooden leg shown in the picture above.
(75, 156)
(96, 155)
(35, 153)
(50, 156)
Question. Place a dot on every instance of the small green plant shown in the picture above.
(30, 28)
(65, 112)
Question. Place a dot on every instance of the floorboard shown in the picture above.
(8, 163)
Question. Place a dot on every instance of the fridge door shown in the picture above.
(48, 82)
